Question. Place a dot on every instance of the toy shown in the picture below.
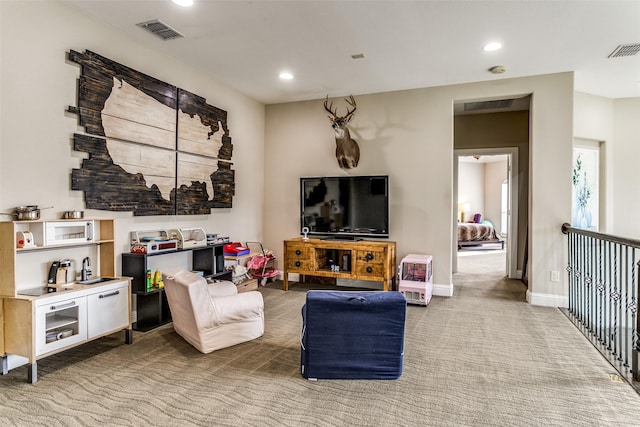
(416, 278)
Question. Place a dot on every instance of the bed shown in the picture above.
(477, 234)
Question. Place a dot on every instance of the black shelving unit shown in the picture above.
(152, 307)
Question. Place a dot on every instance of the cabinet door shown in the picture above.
(68, 232)
(108, 311)
(60, 324)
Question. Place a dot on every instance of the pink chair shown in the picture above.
(212, 316)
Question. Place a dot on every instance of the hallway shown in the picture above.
(483, 272)
(529, 348)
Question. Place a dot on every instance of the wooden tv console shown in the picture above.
(360, 260)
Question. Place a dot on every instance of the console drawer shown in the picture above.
(298, 264)
(370, 257)
(370, 269)
(298, 258)
(297, 252)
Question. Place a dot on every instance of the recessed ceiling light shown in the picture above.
(183, 3)
(490, 47)
(285, 75)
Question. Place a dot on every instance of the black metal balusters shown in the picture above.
(603, 277)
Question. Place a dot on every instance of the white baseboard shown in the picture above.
(293, 277)
(443, 290)
(547, 300)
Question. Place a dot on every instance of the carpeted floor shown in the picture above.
(481, 358)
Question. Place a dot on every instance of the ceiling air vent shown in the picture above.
(498, 104)
(625, 50)
(160, 29)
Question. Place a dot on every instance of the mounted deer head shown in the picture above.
(347, 150)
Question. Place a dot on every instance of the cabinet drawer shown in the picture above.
(298, 258)
(298, 264)
(370, 263)
(297, 251)
(370, 269)
(370, 257)
(108, 311)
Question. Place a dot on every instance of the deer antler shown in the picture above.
(329, 108)
(351, 102)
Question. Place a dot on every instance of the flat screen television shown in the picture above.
(345, 207)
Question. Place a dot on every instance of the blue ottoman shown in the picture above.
(352, 335)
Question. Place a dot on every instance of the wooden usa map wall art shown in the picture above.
(154, 149)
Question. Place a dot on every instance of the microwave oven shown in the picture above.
(68, 232)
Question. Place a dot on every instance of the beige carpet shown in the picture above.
(481, 358)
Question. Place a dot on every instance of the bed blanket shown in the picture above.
(472, 232)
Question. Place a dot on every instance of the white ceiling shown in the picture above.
(407, 44)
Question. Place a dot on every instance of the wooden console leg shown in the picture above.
(285, 281)
(32, 372)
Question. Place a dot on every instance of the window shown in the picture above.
(584, 190)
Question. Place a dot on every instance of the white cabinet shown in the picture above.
(35, 325)
(68, 232)
(39, 326)
(108, 310)
(60, 324)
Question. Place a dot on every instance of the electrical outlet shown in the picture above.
(555, 276)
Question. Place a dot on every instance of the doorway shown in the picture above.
(486, 188)
(492, 127)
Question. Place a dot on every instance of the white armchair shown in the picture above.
(212, 316)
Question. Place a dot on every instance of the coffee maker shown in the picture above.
(59, 272)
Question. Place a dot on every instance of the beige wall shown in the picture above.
(593, 123)
(480, 184)
(626, 173)
(495, 174)
(409, 136)
(614, 123)
(471, 188)
(38, 84)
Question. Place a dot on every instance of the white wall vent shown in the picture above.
(625, 50)
(160, 29)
